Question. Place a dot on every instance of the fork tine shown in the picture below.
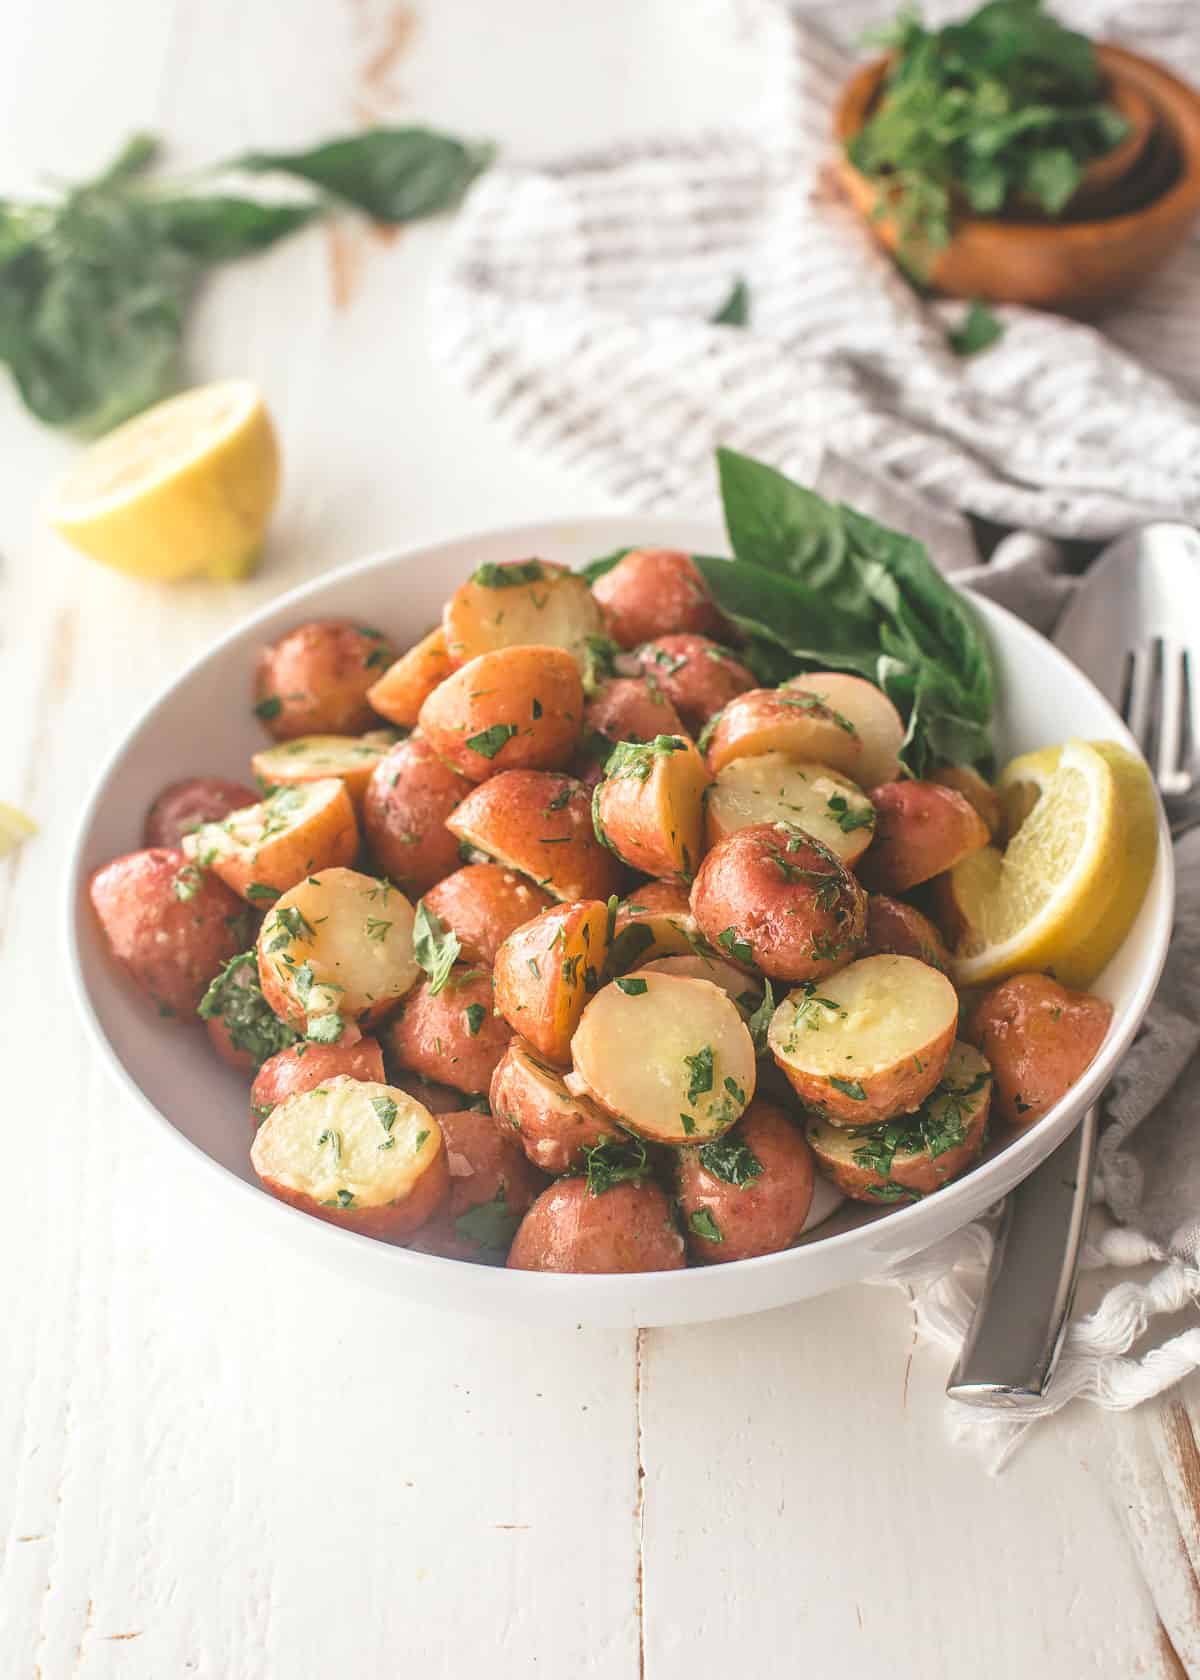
(1137, 709)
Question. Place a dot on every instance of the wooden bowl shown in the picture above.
(1126, 221)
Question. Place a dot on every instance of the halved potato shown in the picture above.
(696, 675)
(734, 982)
(356, 1153)
(314, 680)
(921, 830)
(670, 1059)
(916, 1153)
(976, 791)
(869, 1042)
(554, 1126)
(301, 1067)
(546, 971)
(656, 921)
(778, 720)
(775, 788)
(265, 849)
(749, 1193)
(878, 724)
(483, 903)
(519, 708)
(336, 953)
(540, 823)
(311, 758)
(1039, 1036)
(649, 808)
(521, 603)
(898, 929)
(406, 684)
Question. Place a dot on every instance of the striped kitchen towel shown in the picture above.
(577, 300)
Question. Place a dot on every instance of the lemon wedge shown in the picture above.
(1059, 896)
(183, 490)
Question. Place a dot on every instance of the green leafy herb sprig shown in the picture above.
(1005, 105)
(95, 283)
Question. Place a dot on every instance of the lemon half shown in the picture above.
(184, 490)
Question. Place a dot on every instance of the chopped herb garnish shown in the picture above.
(435, 947)
(385, 1108)
(489, 741)
(476, 1015)
(334, 1140)
(636, 758)
(326, 1029)
(419, 1144)
(700, 1073)
(236, 997)
(258, 893)
(727, 1159)
(631, 986)
(377, 930)
(846, 816)
(851, 1088)
(614, 1161)
(760, 1020)
(508, 576)
(740, 949)
(704, 1225)
(187, 882)
(688, 1123)
(269, 707)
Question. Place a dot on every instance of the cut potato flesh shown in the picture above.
(555, 1127)
(879, 725)
(337, 949)
(526, 603)
(312, 758)
(539, 823)
(649, 808)
(546, 971)
(734, 982)
(670, 1058)
(917, 1153)
(642, 934)
(404, 686)
(769, 720)
(869, 1042)
(355, 1152)
(774, 788)
(265, 849)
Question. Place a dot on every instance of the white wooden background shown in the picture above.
(218, 1461)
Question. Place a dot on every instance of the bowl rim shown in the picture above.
(522, 1293)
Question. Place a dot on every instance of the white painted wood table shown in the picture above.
(216, 1460)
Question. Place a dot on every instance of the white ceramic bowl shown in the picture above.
(203, 723)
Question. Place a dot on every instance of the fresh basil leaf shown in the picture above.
(604, 563)
(394, 174)
(219, 228)
(735, 311)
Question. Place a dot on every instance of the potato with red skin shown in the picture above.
(869, 712)
(631, 709)
(182, 807)
(1038, 1037)
(265, 849)
(546, 971)
(487, 1166)
(540, 823)
(354, 1153)
(772, 787)
(244, 1030)
(898, 929)
(760, 1212)
(649, 806)
(554, 1127)
(452, 1036)
(406, 684)
(314, 758)
(779, 720)
(654, 592)
(241, 1061)
(521, 603)
(305, 1066)
(626, 1229)
(696, 675)
(976, 791)
(655, 921)
(921, 830)
(483, 903)
(408, 799)
(775, 897)
(438, 1099)
(314, 680)
(519, 708)
(170, 925)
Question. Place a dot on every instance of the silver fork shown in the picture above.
(1122, 627)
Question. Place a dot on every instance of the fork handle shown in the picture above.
(1014, 1339)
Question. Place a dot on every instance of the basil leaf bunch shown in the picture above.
(1006, 104)
(95, 284)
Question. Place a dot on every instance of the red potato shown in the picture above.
(451, 1035)
(916, 1154)
(630, 709)
(776, 720)
(438, 1099)
(976, 791)
(868, 1043)
(303, 1067)
(921, 830)
(554, 1127)
(546, 971)
(775, 788)
(653, 592)
(1038, 1037)
(314, 680)
(170, 924)
(335, 954)
(264, 849)
(314, 758)
(540, 823)
(733, 981)
(521, 603)
(184, 806)
(669, 1058)
(483, 903)
(519, 708)
(896, 929)
(244, 1029)
(626, 1229)
(407, 683)
(876, 721)
(656, 922)
(696, 675)
(355, 1153)
(750, 1193)
(492, 1187)
(649, 807)
(408, 799)
(774, 897)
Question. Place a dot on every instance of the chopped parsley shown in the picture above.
(700, 1073)
(734, 1162)
(816, 703)
(236, 997)
(813, 1010)
(704, 1225)
(562, 798)
(187, 882)
(342, 1199)
(508, 576)
(489, 741)
(377, 930)
(334, 1140)
(740, 949)
(635, 759)
(491, 1226)
(385, 1108)
(268, 707)
(846, 816)
(760, 1020)
(476, 1015)
(939, 1125)
(851, 1088)
(435, 947)
(631, 986)
(326, 1029)
(258, 893)
(614, 1161)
